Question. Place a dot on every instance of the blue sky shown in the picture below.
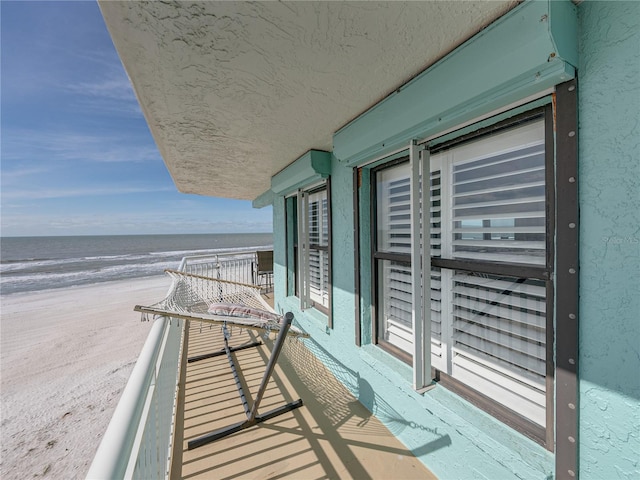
(77, 157)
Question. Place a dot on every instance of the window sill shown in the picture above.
(399, 373)
(318, 319)
(534, 454)
(394, 364)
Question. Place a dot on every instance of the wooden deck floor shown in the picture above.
(331, 436)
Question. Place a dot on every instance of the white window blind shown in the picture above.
(438, 359)
(491, 208)
(394, 237)
(394, 210)
(498, 193)
(395, 302)
(499, 345)
(313, 269)
(487, 207)
(318, 248)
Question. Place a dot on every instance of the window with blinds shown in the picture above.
(491, 208)
(309, 248)
(319, 249)
(499, 204)
(393, 257)
(499, 339)
(489, 276)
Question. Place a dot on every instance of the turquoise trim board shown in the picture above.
(263, 200)
(312, 166)
(366, 299)
(491, 121)
(530, 49)
(563, 30)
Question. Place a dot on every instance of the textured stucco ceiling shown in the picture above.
(233, 92)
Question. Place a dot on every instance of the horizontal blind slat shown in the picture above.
(505, 229)
(497, 215)
(494, 342)
(497, 202)
(502, 257)
(509, 303)
(530, 405)
(517, 244)
(527, 151)
(500, 189)
(532, 363)
(527, 326)
(506, 174)
(500, 284)
(531, 379)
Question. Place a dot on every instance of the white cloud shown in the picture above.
(8, 176)
(112, 95)
(116, 88)
(103, 106)
(72, 146)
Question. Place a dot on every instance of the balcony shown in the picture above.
(170, 401)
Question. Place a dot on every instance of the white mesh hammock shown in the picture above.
(216, 301)
(211, 300)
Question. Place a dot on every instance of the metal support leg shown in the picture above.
(252, 416)
(234, 370)
(222, 351)
(277, 347)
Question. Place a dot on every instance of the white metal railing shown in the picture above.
(237, 266)
(136, 443)
(138, 440)
(150, 457)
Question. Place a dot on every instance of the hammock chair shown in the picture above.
(226, 303)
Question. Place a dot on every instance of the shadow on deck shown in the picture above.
(331, 436)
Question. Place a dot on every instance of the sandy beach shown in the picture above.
(65, 357)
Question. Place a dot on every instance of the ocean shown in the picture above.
(29, 264)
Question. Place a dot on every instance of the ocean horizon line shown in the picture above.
(133, 234)
(46, 262)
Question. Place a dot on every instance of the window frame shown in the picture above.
(542, 435)
(377, 256)
(292, 219)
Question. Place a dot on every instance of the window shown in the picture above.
(393, 258)
(492, 250)
(309, 252)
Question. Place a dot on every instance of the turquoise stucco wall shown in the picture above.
(609, 150)
(439, 426)
(453, 438)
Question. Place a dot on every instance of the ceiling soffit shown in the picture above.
(233, 92)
